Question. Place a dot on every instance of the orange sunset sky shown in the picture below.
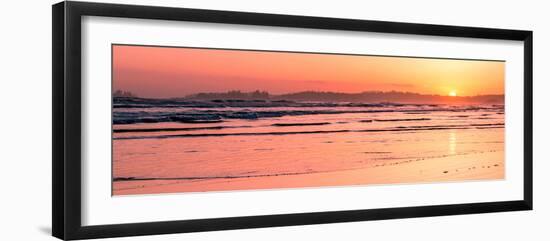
(160, 72)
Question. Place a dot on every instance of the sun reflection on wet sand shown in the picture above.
(452, 142)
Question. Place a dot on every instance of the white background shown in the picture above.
(26, 138)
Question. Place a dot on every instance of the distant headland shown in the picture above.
(319, 96)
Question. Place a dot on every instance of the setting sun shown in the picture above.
(300, 120)
(162, 72)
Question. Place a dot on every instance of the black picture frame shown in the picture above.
(66, 75)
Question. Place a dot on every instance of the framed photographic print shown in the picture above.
(170, 120)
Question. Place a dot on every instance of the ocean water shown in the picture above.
(160, 143)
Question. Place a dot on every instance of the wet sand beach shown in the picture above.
(348, 146)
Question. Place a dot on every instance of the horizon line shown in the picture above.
(289, 93)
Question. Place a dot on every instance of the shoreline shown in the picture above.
(476, 166)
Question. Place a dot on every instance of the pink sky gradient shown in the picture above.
(162, 72)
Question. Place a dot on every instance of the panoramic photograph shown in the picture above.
(201, 119)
